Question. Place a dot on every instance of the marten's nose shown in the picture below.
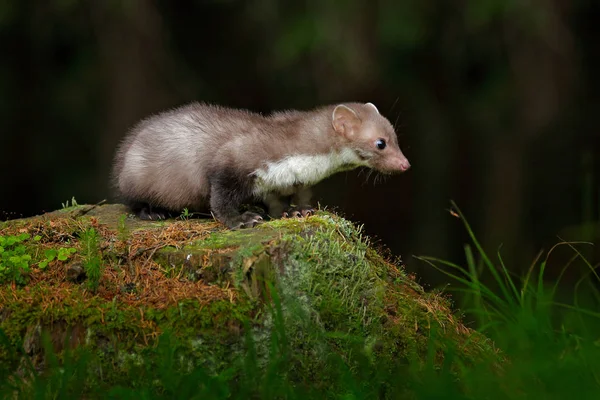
(400, 163)
(404, 165)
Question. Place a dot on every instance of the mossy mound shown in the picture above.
(317, 281)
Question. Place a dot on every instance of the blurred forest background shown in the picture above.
(496, 103)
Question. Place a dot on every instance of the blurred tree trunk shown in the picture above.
(131, 39)
(540, 54)
(344, 65)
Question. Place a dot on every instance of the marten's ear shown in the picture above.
(372, 106)
(345, 121)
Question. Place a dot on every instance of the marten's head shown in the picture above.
(371, 136)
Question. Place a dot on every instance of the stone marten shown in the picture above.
(212, 158)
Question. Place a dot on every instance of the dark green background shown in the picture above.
(496, 102)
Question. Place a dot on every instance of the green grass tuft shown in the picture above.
(552, 346)
(92, 258)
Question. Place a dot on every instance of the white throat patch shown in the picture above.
(303, 170)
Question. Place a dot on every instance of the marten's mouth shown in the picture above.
(388, 172)
(387, 169)
(364, 156)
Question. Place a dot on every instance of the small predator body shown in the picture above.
(206, 157)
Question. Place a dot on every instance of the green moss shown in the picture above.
(204, 331)
(312, 288)
(233, 239)
(331, 282)
(344, 292)
(218, 257)
(219, 240)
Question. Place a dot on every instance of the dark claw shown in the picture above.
(253, 223)
(299, 211)
(246, 220)
(150, 213)
(306, 212)
(145, 214)
(250, 224)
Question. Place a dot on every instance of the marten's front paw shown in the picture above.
(298, 211)
(246, 220)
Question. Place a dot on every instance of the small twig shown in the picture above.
(152, 254)
(83, 211)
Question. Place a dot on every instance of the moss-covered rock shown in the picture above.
(314, 285)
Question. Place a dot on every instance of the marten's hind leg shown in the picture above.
(149, 212)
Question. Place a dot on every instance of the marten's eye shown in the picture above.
(380, 143)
